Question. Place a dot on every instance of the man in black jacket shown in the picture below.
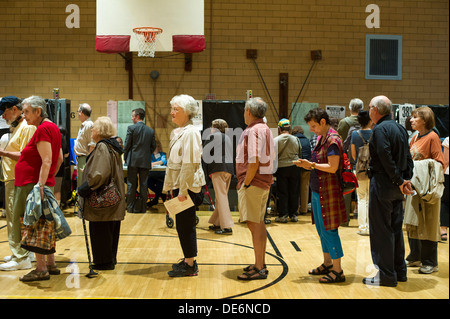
(139, 146)
(391, 169)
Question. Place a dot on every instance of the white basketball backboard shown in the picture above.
(175, 17)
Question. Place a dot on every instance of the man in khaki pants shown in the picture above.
(83, 144)
(21, 133)
(255, 155)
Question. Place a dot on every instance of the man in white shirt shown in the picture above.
(84, 143)
(21, 133)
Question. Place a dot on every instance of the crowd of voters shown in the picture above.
(401, 182)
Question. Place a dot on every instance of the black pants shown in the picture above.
(425, 251)
(186, 222)
(385, 224)
(288, 189)
(155, 182)
(137, 175)
(104, 241)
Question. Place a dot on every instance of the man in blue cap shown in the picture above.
(21, 133)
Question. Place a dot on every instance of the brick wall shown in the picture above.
(38, 53)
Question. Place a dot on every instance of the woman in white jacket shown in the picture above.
(185, 177)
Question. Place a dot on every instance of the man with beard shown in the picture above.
(21, 133)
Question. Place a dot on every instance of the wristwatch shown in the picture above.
(246, 186)
(41, 185)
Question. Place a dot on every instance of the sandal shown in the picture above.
(53, 270)
(444, 237)
(252, 267)
(330, 280)
(35, 275)
(255, 274)
(324, 271)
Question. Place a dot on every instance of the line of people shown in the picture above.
(390, 178)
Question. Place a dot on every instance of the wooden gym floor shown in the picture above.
(147, 248)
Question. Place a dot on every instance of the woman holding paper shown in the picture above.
(185, 177)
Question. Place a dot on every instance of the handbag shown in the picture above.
(39, 237)
(105, 196)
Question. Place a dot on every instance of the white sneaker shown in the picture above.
(428, 269)
(14, 265)
(7, 258)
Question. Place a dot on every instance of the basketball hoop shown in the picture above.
(146, 37)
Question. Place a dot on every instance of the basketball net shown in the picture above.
(146, 37)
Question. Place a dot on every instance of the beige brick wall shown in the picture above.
(38, 53)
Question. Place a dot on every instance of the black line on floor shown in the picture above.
(277, 251)
(293, 243)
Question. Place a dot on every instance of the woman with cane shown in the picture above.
(103, 170)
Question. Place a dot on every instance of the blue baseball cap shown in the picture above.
(8, 102)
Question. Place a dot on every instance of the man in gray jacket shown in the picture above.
(139, 145)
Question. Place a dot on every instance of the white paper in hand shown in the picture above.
(175, 206)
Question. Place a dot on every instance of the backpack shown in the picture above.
(346, 143)
(362, 164)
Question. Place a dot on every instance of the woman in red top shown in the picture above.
(38, 164)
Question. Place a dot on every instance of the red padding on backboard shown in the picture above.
(112, 43)
(188, 43)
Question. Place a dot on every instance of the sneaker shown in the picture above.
(282, 219)
(182, 269)
(428, 269)
(14, 265)
(294, 219)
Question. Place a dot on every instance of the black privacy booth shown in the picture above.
(441, 117)
(58, 111)
(233, 113)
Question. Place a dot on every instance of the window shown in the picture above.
(383, 57)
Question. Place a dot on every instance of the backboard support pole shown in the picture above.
(129, 67)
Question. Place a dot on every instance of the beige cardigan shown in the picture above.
(422, 211)
(184, 170)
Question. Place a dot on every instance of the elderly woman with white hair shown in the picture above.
(38, 163)
(185, 177)
(103, 165)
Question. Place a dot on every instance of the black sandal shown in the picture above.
(330, 280)
(255, 274)
(324, 271)
(252, 267)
